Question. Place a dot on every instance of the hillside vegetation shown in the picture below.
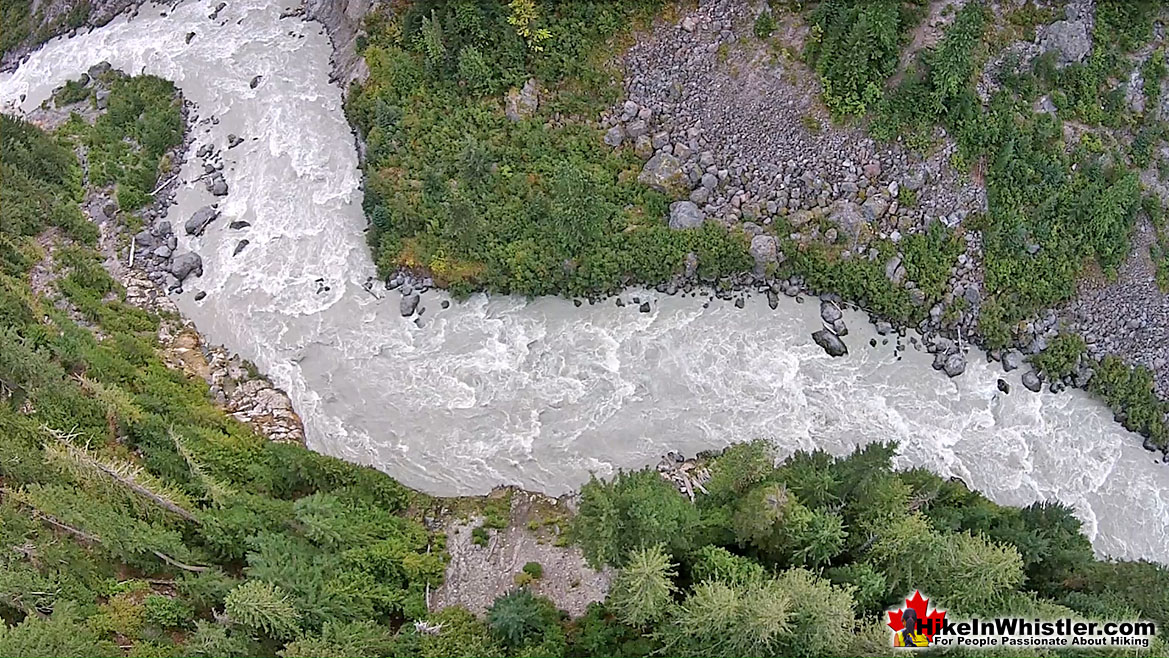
(803, 559)
(534, 206)
(136, 518)
(139, 520)
(1059, 209)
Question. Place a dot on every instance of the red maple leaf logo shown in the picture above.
(931, 619)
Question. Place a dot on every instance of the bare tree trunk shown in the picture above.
(146, 493)
(76, 532)
(94, 539)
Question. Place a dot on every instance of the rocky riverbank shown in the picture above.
(342, 21)
(149, 264)
(733, 131)
(54, 18)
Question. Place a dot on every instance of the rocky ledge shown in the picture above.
(342, 20)
(234, 384)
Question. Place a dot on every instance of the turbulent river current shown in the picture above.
(540, 393)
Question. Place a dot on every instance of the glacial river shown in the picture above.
(540, 393)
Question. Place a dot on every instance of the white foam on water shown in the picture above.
(541, 393)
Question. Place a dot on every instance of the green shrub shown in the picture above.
(1152, 73)
(633, 510)
(1061, 356)
(929, 256)
(764, 25)
(167, 612)
(72, 92)
(519, 618)
(534, 569)
(1129, 392)
(856, 279)
(479, 536)
(1127, 24)
(715, 563)
(1029, 16)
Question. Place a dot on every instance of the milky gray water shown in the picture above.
(541, 393)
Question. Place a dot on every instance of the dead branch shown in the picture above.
(164, 184)
(58, 523)
(175, 563)
(83, 455)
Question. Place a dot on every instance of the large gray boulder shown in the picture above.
(99, 69)
(685, 215)
(830, 312)
(522, 103)
(637, 128)
(954, 364)
(765, 250)
(847, 218)
(663, 172)
(801, 217)
(184, 265)
(1012, 359)
(1032, 381)
(643, 147)
(408, 304)
(914, 181)
(144, 238)
(200, 219)
(615, 136)
(1068, 38)
(830, 342)
(875, 207)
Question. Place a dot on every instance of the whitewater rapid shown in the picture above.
(540, 393)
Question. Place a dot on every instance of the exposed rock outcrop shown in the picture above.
(342, 20)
